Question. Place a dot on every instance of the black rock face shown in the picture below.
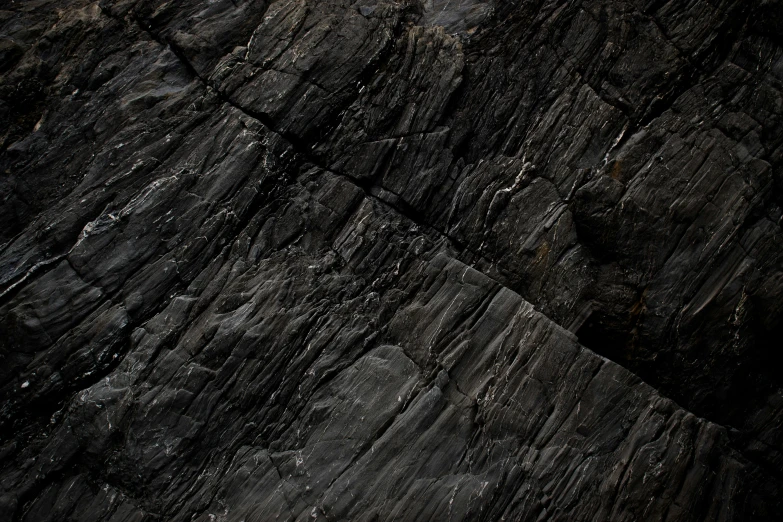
(391, 260)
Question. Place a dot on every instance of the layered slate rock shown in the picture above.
(268, 389)
(385, 260)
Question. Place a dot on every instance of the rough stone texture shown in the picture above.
(380, 260)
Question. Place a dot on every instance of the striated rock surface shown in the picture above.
(381, 260)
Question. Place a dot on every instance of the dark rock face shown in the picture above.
(380, 260)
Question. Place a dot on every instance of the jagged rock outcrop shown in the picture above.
(381, 260)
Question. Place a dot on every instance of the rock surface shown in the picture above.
(381, 260)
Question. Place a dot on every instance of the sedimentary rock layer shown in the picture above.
(379, 260)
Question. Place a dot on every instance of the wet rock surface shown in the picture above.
(379, 260)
